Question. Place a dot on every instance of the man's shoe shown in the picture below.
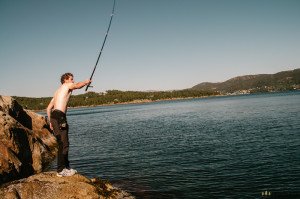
(72, 170)
(65, 173)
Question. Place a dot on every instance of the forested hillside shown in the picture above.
(282, 81)
(114, 97)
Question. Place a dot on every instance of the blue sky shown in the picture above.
(152, 45)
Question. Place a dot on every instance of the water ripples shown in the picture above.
(220, 147)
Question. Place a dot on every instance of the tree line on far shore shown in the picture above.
(282, 81)
(113, 97)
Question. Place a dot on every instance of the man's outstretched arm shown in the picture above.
(80, 84)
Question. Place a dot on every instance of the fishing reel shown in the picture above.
(88, 86)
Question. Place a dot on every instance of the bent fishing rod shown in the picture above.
(111, 17)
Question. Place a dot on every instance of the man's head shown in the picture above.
(67, 78)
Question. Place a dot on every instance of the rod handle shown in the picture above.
(87, 86)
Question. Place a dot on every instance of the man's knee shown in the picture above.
(65, 148)
(65, 142)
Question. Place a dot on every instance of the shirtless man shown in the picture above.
(58, 121)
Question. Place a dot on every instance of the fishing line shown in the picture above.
(111, 17)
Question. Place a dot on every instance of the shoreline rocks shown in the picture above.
(27, 148)
(47, 185)
(27, 145)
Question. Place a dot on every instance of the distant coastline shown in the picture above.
(113, 97)
(248, 84)
(261, 83)
(134, 102)
(161, 100)
(141, 101)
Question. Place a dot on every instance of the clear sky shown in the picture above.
(152, 45)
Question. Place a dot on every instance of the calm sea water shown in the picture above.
(218, 147)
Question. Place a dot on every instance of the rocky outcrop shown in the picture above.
(47, 185)
(27, 145)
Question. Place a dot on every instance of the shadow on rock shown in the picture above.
(27, 146)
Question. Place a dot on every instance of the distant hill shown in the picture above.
(282, 81)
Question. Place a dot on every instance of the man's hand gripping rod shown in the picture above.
(111, 17)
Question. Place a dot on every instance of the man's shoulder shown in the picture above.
(64, 88)
(67, 85)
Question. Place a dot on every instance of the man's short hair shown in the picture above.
(65, 77)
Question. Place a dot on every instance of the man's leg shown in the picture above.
(65, 148)
(57, 132)
(61, 128)
(60, 155)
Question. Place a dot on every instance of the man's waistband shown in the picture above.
(56, 111)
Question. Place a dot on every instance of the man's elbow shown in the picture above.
(49, 108)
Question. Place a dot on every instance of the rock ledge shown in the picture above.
(47, 185)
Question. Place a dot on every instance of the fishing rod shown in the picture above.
(111, 17)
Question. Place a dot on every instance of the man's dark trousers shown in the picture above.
(61, 128)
